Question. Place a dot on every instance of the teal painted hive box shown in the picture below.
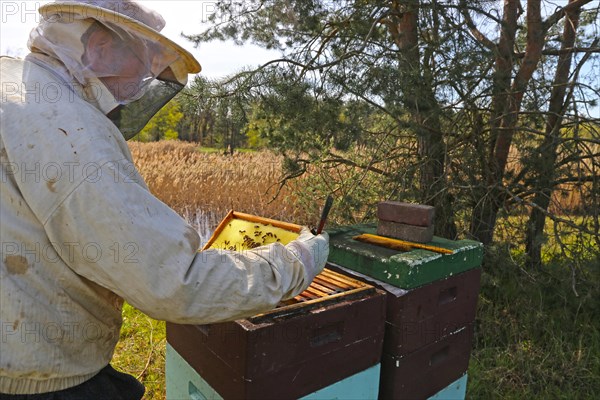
(403, 269)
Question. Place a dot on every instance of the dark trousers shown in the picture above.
(108, 384)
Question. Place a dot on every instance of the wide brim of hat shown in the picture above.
(103, 14)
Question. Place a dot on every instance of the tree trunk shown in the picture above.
(488, 197)
(509, 105)
(548, 149)
(419, 99)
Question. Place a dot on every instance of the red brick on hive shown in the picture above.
(406, 213)
(412, 233)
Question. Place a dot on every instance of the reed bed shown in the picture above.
(567, 198)
(203, 187)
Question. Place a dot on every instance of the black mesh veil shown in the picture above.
(131, 118)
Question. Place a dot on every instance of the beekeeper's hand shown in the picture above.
(312, 250)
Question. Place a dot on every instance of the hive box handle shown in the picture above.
(327, 334)
(448, 295)
(439, 356)
(195, 394)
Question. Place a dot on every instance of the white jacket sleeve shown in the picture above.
(112, 231)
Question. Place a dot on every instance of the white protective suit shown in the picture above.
(80, 232)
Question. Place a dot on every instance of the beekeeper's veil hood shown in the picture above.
(143, 71)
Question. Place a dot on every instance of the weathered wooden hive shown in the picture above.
(432, 293)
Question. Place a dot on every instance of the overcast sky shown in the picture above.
(18, 17)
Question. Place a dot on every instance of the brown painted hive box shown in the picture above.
(425, 372)
(290, 352)
(419, 317)
(403, 269)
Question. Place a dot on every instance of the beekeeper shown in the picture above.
(80, 231)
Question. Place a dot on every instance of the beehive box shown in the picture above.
(425, 372)
(184, 383)
(287, 353)
(403, 269)
(431, 305)
(431, 312)
(419, 317)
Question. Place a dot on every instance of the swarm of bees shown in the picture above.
(237, 234)
(249, 242)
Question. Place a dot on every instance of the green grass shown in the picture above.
(537, 334)
(141, 351)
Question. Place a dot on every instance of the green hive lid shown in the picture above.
(406, 270)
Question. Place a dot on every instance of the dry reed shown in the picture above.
(203, 187)
(567, 198)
